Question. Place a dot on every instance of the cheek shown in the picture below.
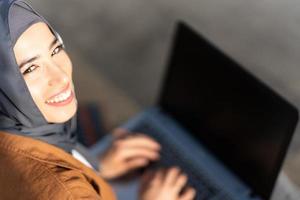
(65, 64)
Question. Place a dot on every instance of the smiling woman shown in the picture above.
(37, 113)
(38, 143)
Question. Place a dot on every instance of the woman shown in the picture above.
(37, 121)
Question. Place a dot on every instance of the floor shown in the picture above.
(120, 48)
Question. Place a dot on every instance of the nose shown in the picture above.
(57, 76)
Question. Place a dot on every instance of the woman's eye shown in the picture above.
(57, 49)
(30, 69)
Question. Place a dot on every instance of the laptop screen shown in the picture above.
(238, 118)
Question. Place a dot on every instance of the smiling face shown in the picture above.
(47, 71)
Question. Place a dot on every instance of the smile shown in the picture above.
(63, 98)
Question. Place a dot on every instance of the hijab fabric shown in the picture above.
(18, 112)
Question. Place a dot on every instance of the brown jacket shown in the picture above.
(31, 169)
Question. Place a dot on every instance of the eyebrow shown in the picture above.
(36, 57)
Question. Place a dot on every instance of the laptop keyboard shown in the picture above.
(170, 156)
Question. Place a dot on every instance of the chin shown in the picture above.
(63, 119)
(62, 115)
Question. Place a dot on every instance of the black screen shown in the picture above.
(238, 118)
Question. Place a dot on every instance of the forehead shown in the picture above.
(34, 40)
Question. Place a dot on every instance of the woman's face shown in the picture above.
(47, 70)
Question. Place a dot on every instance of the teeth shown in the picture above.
(61, 97)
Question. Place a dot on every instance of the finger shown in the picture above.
(172, 175)
(136, 163)
(131, 153)
(139, 141)
(143, 135)
(158, 177)
(189, 194)
(180, 183)
(119, 132)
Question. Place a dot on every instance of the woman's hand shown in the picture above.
(127, 152)
(166, 184)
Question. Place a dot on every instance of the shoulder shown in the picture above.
(37, 179)
(67, 183)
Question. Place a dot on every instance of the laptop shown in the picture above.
(226, 129)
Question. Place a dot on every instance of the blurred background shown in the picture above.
(120, 48)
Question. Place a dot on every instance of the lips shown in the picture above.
(63, 97)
